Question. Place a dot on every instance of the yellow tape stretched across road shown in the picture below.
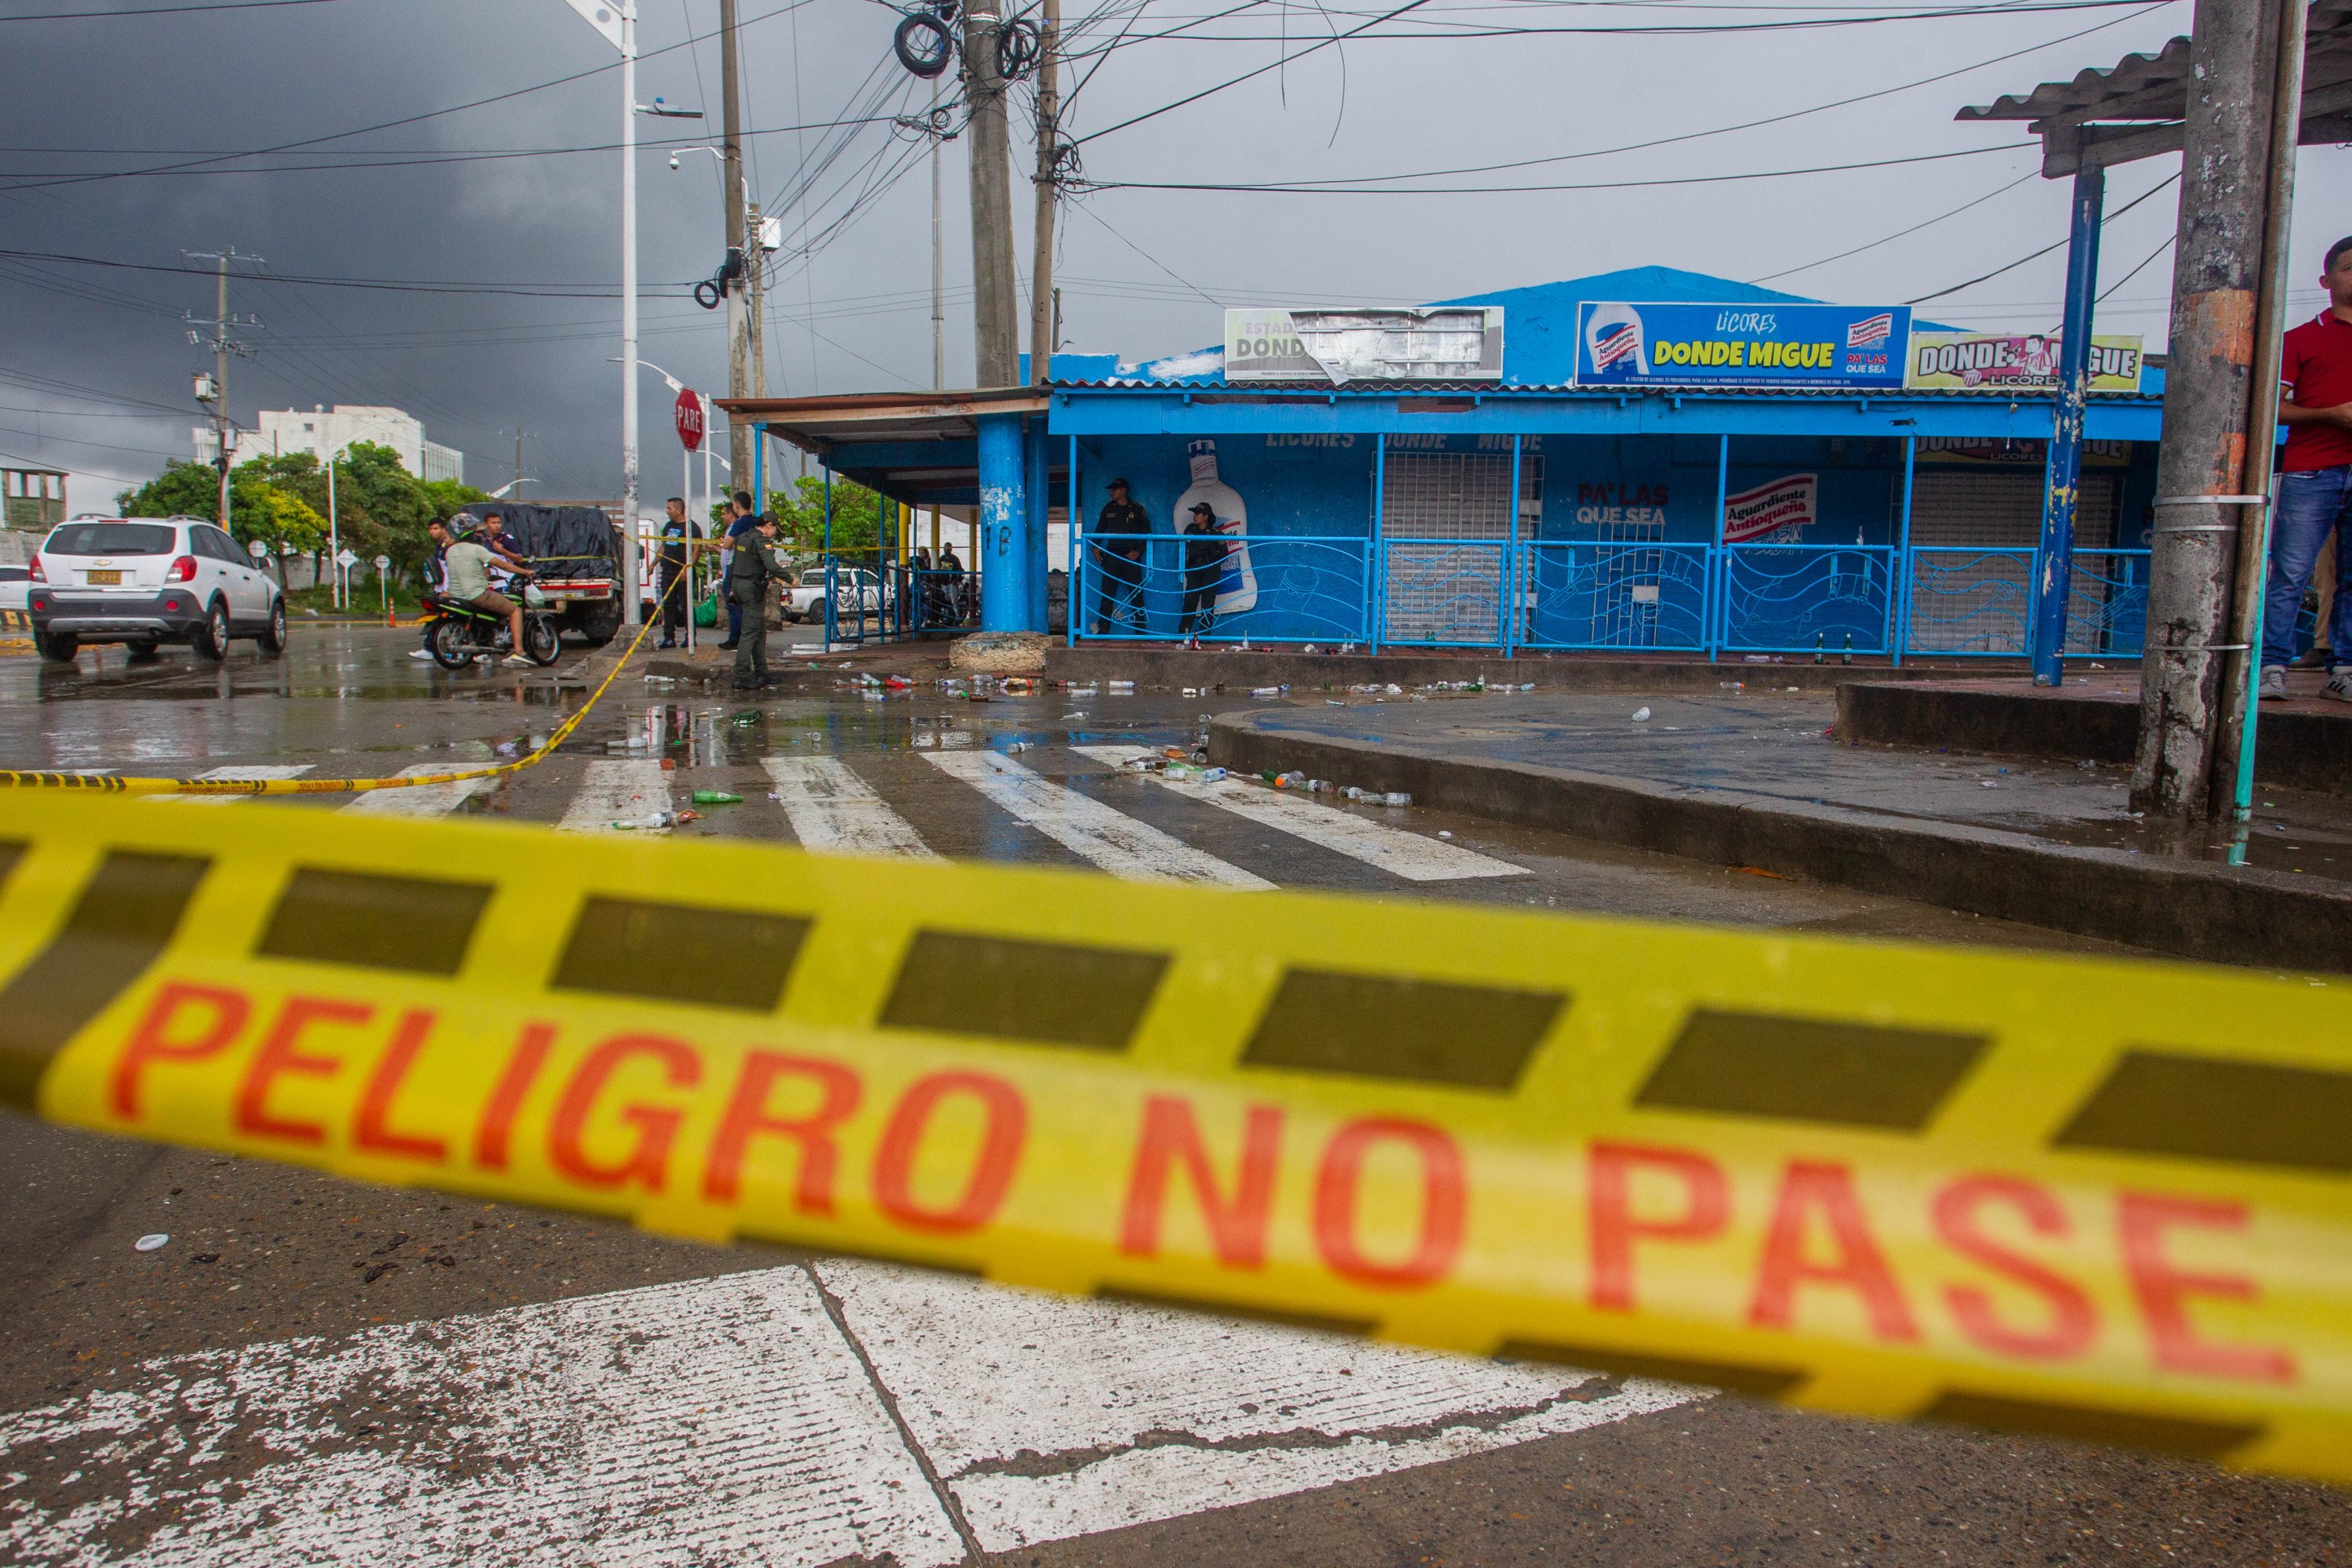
(118, 784)
(2082, 1196)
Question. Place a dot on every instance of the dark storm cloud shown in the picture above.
(1140, 269)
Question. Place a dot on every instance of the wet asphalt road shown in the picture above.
(97, 1466)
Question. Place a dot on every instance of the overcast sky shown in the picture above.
(94, 363)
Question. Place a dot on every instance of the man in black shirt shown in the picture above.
(1116, 561)
(676, 533)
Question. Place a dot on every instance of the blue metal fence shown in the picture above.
(1947, 601)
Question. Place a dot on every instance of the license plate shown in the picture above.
(102, 579)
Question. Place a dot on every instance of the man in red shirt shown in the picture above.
(2314, 492)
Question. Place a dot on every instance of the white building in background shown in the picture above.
(319, 431)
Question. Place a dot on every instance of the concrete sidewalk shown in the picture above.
(1760, 779)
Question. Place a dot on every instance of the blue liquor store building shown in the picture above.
(1535, 512)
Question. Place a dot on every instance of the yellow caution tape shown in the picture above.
(2081, 1196)
(118, 784)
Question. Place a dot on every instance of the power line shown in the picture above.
(405, 120)
(1900, 233)
(2046, 250)
(2144, 8)
(1247, 76)
(397, 286)
(1511, 190)
(162, 10)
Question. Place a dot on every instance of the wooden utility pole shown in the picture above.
(2203, 470)
(739, 318)
(996, 321)
(1041, 323)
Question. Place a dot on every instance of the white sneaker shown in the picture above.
(516, 658)
(421, 653)
(2339, 685)
(2273, 684)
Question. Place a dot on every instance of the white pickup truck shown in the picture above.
(857, 592)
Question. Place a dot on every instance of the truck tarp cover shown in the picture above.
(551, 534)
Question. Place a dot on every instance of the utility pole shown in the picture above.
(223, 427)
(996, 329)
(939, 273)
(1049, 152)
(1001, 558)
(739, 317)
(518, 483)
(2203, 471)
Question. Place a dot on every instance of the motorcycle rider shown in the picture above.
(466, 565)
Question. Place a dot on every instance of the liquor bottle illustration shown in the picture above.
(1237, 586)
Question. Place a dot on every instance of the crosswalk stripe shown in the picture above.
(1391, 850)
(239, 771)
(834, 812)
(421, 800)
(1086, 828)
(795, 1416)
(618, 789)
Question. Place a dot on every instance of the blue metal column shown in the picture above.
(1716, 617)
(1072, 599)
(1004, 563)
(831, 625)
(1038, 492)
(2053, 579)
(1901, 609)
(1510, 583)
(1376, 569)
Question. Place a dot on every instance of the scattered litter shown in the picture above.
(1081, 713)
(1018, 746)
(1119, 688)
(1309, 649)
(1268, 690)
(1445, 833)
(1988, 783)
(1333, 702)
(1733, 685)
(152, 1241)
(715, 798)
(1396, 797)
(1640, 714)
(1211, 775)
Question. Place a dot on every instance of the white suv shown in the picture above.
(149, 581)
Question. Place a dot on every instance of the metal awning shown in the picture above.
(818, 425)
(2134, 108)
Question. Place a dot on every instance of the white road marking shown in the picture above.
(1391, 850)
(423, 800)
(834, 812)
(728, 1420)
(717, 1421)
(1050, 1417)
(241, 771)
(1085, 827)
(617, 789)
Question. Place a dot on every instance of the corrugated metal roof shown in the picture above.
(2155, 86)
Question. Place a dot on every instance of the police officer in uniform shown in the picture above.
(749, 574)
(1117, 559)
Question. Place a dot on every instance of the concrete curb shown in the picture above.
(2294, 747)
(1161, 664)
(2192, 909)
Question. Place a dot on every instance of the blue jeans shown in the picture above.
(2312, 505)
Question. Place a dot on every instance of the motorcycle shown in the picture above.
(458, 632)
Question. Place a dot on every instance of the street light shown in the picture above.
(686, 480)
(615, 22)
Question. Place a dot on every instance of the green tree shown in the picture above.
(800, 516)
(183, 490)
